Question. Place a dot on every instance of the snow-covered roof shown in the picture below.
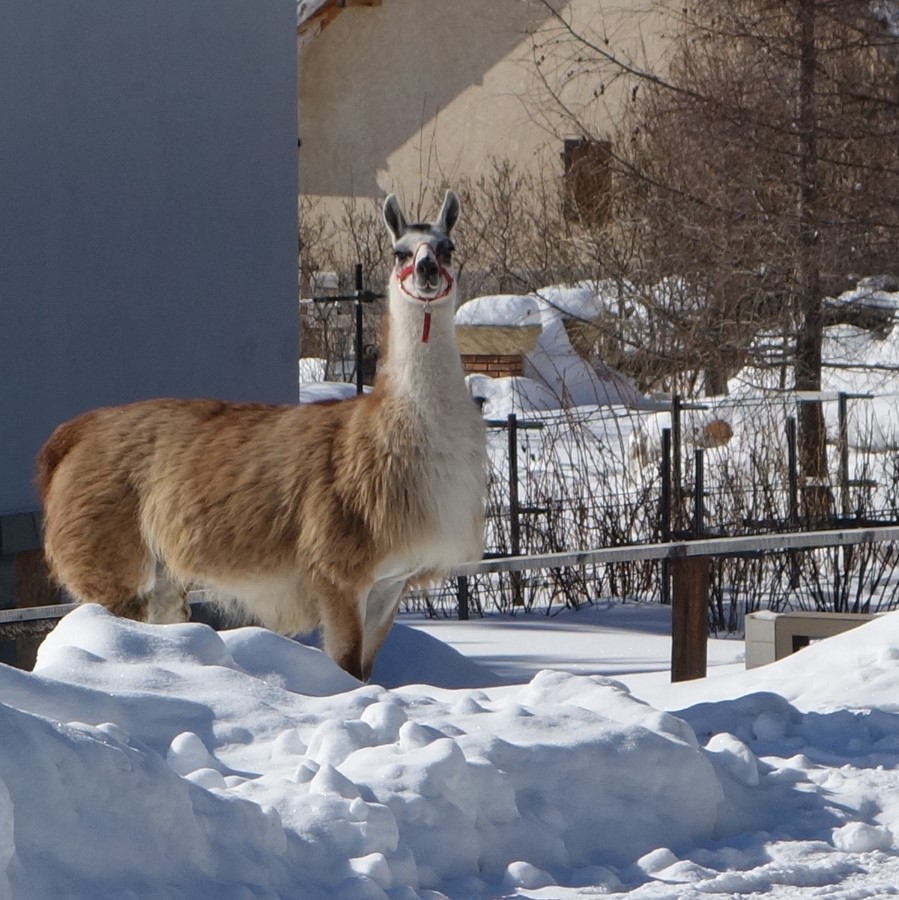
(306, 9)
(556, 375)
(507, 310)
(314, 15)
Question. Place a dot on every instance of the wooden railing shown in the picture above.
(690, 573)
(690, 580)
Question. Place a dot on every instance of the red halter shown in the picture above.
(406, 273)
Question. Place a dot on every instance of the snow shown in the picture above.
(306, 9)
(488, 758)
(508, 310)
(584, 300)
(513, 394)
(327, 391)
(555, 375)
(572, 379)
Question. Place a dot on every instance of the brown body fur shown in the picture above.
(218, 492)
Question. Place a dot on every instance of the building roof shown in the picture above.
(315, 15)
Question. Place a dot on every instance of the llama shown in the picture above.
(306, 516)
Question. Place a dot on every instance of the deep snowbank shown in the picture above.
(173, 761)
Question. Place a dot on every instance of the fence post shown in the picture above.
(359, 344)
(699, 493)
(792, 472)
(689, 618)
(793, 499)
(676, 463)
(690, 606)
(665, 514)
(514, 508)
(843, 443)
(462, 592)
(514, 512)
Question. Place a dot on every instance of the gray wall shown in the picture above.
(147, 210)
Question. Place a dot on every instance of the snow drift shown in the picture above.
(160, 761)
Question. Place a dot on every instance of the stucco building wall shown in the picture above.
(413, 92)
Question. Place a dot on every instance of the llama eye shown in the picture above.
(445, 252)
(402, 256)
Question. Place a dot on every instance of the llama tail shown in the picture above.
(55, 450)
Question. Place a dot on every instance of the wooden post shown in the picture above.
(689, 617)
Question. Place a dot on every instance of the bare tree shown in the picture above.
(760, 167)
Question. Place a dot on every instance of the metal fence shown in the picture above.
(587, 479)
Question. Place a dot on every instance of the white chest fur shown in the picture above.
(427, 378)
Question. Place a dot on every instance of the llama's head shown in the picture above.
(423, 251)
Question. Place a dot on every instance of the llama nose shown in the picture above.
(426, 269)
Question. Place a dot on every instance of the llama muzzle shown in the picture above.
(424, 279)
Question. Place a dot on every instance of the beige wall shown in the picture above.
(415, 91)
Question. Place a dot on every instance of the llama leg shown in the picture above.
(95, 548)
(342, 629)
(167, 601)
(380, 609)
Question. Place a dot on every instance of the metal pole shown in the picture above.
(844, 452)
(665, 513)
(676, 468)
(841, 600)
(514, 507)
(793, 498)
(665, 500)
(358, 297)
(699, 494)
(792, 473)
(514, 520)
(359, 349)
(462, 590)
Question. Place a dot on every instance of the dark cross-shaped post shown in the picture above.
(358, 297)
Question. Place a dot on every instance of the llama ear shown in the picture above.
(449, 212)
(394, 218)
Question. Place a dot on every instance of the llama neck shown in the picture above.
(426, 373)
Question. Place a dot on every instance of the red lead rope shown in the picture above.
(407, 272)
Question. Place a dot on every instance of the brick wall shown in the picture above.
(495, 365)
